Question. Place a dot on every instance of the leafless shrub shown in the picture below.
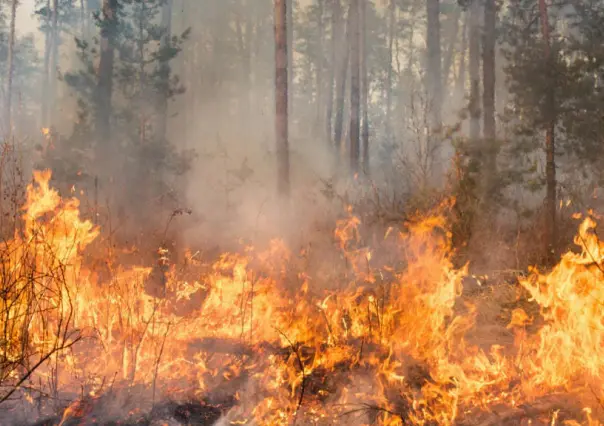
(36, 306)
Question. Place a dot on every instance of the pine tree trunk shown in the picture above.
(434, 62)
(341, 81)
(105, 78)
(249, 42)
(166, 24)
(460, 85)
(54, 61)
(290, 56)
(488, 70)
(281, 96)
(46, 77)
(335, 34)
(489, 168)
(365, 85)
(474, 67)
(319, 72)
(448, 59)
(550, 158)
(391, 32)
(355, 86)
(8, 91)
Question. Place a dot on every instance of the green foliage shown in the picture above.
(574, 72)
(142, 84)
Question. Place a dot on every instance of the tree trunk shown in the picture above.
(434, 62)
(355, 67)
(164, 70)
(448, 59)
(54, 62)
(341, 91)
(8, 91)
(335, 34)
(488, 70)
(46, 77)
(290, 56)
(391, 32)
(550, 158)
(319, 72)
(281, 97)
(474, 106)
(365, 85)
(105, 79)
(460, 85)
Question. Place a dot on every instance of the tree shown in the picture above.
(8, 90)
(108, 25)
(48, 39)
(434, 67)
(58, 18)
(289, 23)
(474, 69)
(365, 86)
(488, 69)
(281, 96)
(164, 68)
(127, 97)
(391, 35)
(335, 30)
(355, 86)
(54, 57)
(341, 80)
(488, 98)
(550, 156)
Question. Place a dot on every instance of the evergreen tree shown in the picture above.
(142, 158)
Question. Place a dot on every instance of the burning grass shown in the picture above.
(262, 337)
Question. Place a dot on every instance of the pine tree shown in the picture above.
(355, 85)
(281, 96)
(8, 90)
(126, 96)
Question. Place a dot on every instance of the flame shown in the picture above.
(375, 342)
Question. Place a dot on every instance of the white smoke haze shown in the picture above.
(227, 202)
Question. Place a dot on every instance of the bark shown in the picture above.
(474, 68)
(434, 62)
(290, 54)
(166, 23)
(460, 85)
(46, 77)
(319, 71)
(391, 32)
(550, 158)
(105, 78)
(488, 70)
(281, 96)
(365, 85)
(355, 67)
(8, 91)
(54, 62)
(249, 42)
(341, 91)
(335, 34)
(448, 58)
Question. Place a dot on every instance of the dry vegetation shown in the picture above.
(372, 327)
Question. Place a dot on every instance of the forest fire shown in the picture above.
(256, 340)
